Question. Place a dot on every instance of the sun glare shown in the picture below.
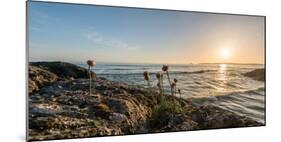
(225, 53)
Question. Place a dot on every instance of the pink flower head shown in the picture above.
(91, 63)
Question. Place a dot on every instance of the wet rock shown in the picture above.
(257, 74)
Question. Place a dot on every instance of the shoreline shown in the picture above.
(60, 107)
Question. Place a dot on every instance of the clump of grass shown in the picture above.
(162, 113)
(91, 63)
(160, 86)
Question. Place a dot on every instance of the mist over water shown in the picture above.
(222, 85)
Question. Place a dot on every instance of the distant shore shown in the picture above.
(60, 106)
(235, 63)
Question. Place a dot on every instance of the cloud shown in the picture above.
(39, 20)
(99, 39)
(94, 37)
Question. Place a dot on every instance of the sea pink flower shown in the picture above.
(175, 80)
(159, 75)
(146, 75)
(91, 63)
(165, 68)
(173, 84)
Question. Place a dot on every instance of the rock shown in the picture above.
(257, 74)
(213, 117)
(128, 107)
(118, 117)
(38, 78)
(32, 86)
(101, 87)
(64, 70)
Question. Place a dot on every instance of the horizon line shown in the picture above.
(150, 62)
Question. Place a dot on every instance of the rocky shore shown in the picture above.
(257, 74)
(60, 106)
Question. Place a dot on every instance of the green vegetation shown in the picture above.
(162, 113)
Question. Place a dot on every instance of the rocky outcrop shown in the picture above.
(257, 74)
(65, 109)
(38, 78)
(63, 70)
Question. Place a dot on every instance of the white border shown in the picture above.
(12, 75)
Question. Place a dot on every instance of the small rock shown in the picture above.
(118, 117)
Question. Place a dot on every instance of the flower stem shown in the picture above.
(149, 89)
(169, 82)
(90, 81)
(162, 85)
(175, 89)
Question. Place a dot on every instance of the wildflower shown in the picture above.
(175, 87)
(165, 68)
(179, 91)
(146, 77)
(175, 80)
(91, 63)
(159, 76)
(158, 84)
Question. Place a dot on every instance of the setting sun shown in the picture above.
(225, 53)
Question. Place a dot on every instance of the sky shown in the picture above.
(76, 33)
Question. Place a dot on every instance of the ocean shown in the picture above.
(222, 85)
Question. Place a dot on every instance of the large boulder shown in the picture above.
(39, 77)
(63, 70)
(127, 106)
(210, 117)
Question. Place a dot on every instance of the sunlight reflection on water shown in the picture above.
(222, 85)
(222, 78)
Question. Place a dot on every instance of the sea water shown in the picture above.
(222, 85)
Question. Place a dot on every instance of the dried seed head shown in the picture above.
(165, 68)
(173, 84)
(146, 75)
(159, 75)
(179, 90)
(91, 63)
(175, 80)
(158, 84)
